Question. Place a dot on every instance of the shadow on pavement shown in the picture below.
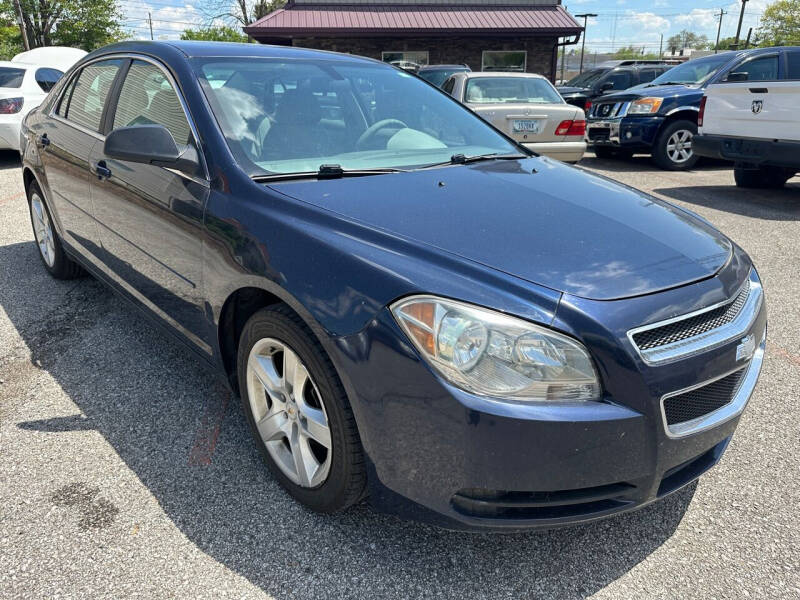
(9, 159)
(769, 205)
(147, 397)
(642, 163)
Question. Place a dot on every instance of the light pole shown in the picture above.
(583, 45)
(721, 14)
(739, 28)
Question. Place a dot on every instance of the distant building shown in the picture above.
(500, 35)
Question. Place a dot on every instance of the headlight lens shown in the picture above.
(492, 354)
(645, 106)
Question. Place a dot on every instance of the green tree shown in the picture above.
(86, 24)
(632, 52)
(10, 41)
(687, 39)
(239, 12)
(215, 34)
(780, 24)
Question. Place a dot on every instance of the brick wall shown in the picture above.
(446, 50)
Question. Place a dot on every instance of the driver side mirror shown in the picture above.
(608, 85)
(153, 145)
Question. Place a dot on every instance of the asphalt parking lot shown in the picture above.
(127, 471)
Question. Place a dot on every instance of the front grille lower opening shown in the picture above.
(702, 401)
(499, 504)
(693, 326)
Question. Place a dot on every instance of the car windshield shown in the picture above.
(10, 77)
(585, 79)
(692, 72)
(522, 90)
(438, 76)
(292, 116)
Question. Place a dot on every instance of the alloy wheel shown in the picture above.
(289, 413)
(679, 146)
(43, 230)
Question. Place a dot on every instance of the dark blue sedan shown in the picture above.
(412, 307)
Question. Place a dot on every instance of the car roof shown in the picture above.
(477, 74)
(200, 49)
(441, 67)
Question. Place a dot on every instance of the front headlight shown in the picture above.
(493, 354)
(645, 106)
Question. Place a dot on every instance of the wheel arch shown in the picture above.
(681, 112)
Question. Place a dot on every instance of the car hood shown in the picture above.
(536, 219)
(659, 91)
(571, 90)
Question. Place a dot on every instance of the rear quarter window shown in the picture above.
(793, 65)
(47, 78)
(11, 77)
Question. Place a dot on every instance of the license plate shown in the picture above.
(526, 125)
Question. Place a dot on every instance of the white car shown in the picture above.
(527, 108)
(24, 83)
(749, 115)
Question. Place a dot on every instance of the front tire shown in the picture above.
(51, 251)
(673, 147)
(299, 413)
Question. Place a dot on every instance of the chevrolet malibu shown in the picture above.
(412, 307)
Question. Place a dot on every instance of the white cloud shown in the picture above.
(648, 20)
(698, 19)
(168, 21)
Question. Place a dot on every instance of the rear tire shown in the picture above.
(293, 422)
(673, 148)
(763, 177)
(48, 243)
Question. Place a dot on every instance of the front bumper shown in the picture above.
(748, 151)
(630, 133)
(438, 454)
(563, 151)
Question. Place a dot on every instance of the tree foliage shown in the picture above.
(780, 24)
(86, 24)
(633, 52)
(10, 41)
(687, 39)
(215, 34)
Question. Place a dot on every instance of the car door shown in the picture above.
(150, 217)
(749, 100)
(66, 138)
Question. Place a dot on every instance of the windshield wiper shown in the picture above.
(462, 159)
(326, 172)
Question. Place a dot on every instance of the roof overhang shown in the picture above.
(417, 20)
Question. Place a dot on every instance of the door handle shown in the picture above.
(101, 170)
(44, 141)
(759, 91)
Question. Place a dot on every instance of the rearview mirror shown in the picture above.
(150, 144)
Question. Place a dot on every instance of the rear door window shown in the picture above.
(10, 77)
(619, 80)
(793, 64)
(47, 78)
(88, 94)
(762, 68)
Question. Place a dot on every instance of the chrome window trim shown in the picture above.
(681, 349)
(725, 413)
(185, 107)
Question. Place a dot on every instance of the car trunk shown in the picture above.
(528, 123)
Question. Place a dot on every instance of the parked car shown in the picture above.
(410, 305)
(659, 119)
(525, 107)
(438, 74)
(24, 82)
(749, 116)
(585, 88)
(406, 65)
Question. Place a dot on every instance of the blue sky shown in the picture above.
(620, 22)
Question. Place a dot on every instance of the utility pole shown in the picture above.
(739, 28)
(150, 21)
(583, 45)
(661, 47)
(747, 43)
(22, 29)
(719, 28)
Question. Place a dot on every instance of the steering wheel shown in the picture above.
(374, 129)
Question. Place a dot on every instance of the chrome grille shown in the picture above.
(693, 326)
(703, 400)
